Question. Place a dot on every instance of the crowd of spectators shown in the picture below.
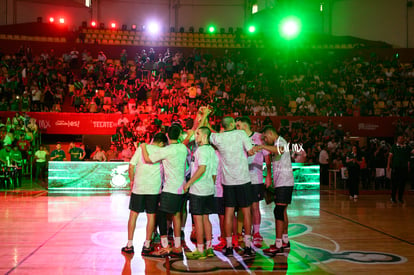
(235, 83)
(354, 87)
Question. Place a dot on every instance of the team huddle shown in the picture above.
(225, 177)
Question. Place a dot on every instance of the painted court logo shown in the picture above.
(302, 257)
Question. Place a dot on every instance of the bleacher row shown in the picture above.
(33, 38)
(209, 40)
(133, 38)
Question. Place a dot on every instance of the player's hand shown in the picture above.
(190, 132)
(251, 152)
(186, 187)
(268, 182)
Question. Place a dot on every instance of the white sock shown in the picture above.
(247, 240)
(285, 238)
(200, 248)
(164, 241)
(256, 228)
(182, 229)
(129, 244)
(208, 244)
(279, 243)
(147, 243)
(177, 242)
(228, 241)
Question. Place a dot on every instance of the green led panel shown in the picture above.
(82, 175)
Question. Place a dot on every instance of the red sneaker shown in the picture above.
(273, 250)
(257, 240)
(235, 241)
(286, 245)
(221, 245)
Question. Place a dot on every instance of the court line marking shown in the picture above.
(367, 226)
(44, 243)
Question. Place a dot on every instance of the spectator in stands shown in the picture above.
(112, 153)
(353, 161)
(98, 154)
(76, 153)
(101, 57)
(17, 161)
(324, 165)
(5, 155)
(58, 154)
(126, 153)
(41, 163)
(24, 146)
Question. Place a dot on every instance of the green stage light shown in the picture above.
(211, 29)
(252, 29)
(290, 27)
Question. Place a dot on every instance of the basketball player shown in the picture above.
(173, 159)
(234, 146)
(283, 183)
(201, 186)
(256, 176)
(145, 182)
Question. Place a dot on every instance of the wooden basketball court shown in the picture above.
(82, 233)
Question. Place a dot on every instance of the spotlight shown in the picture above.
(252, 29)
(181, 29)
(211, 29)
(153, 28)
(93, 24)
(84, 24)
(51, 19)
(124, 27)
(62, 20)
(113, 25)
(102, 26)
(134, 27)
(290, 27)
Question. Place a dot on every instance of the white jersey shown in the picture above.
(147, 179)
(204, 155)
(256, 161)
(282, 166)
(173, 158)
(233, 146)
(219, 178)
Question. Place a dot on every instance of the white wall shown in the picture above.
(134, 12)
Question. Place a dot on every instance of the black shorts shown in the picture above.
(144, 203)
(201, 205)
(237, 195)
(219, 205)
(170, 203)
(283, 194)
(257, 192)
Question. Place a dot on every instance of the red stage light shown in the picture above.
(134, 27)
(61, 20)
(51, 19)
(93, 24)
(113, 25)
